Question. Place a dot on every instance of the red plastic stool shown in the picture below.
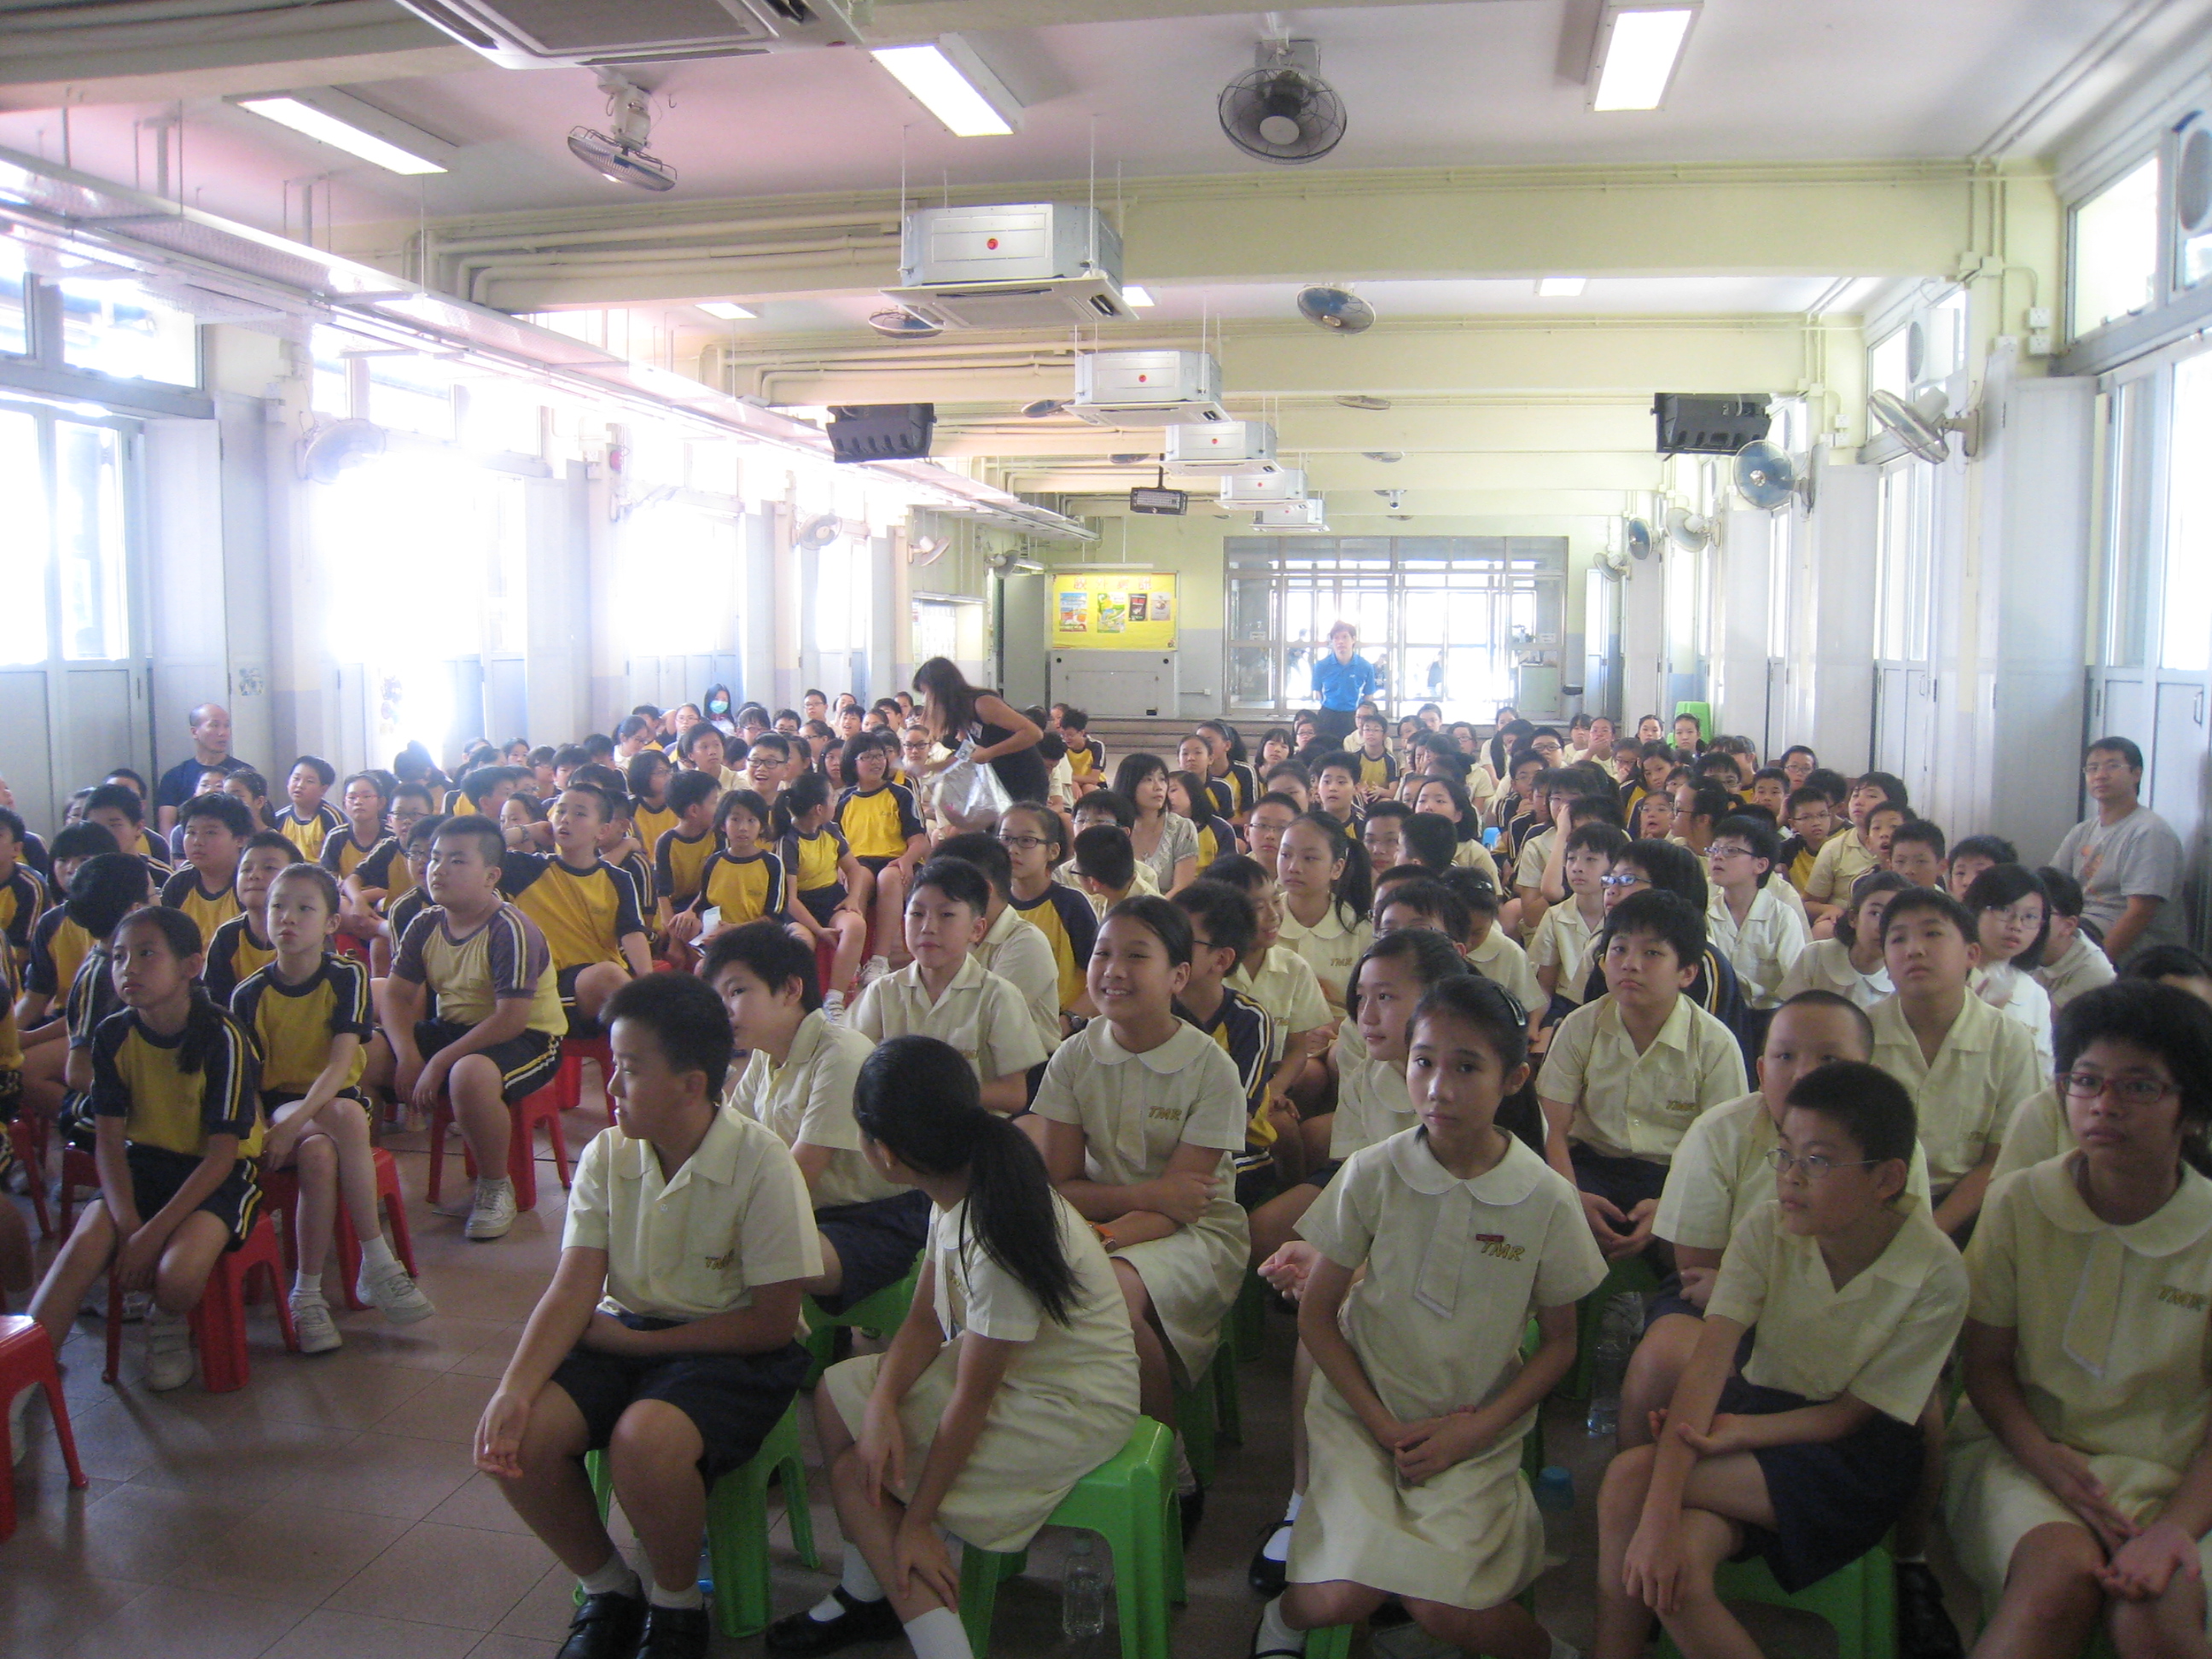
(568, 1081)
(26, 1358)
(280, 1190)
(219, 1319)
(79, 1168)
(543, 1107)
(27, 1135)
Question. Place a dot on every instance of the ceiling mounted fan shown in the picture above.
(1281, 110)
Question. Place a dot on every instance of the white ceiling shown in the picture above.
(1475, 84)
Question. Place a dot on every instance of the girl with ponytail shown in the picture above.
(177, 1103)
(1013, 1376)
(1329, 886)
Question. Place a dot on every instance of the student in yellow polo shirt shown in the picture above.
(588, 910)
(205, 887)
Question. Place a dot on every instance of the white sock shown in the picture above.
(376, 1253)
(306, 1288)
(1278, 1547)
(614, 1578)
(856, 1580)
(938, 1634)
(1274, 1636)
(689, 1596)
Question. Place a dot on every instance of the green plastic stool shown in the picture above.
(1129, 1501)
(1250, 1316)
(1859, 1601)
(1228, 1400)
(1633, 1274)
(737, 1526)
(875, 1316)
(1198, 1417)
(1335, 1642)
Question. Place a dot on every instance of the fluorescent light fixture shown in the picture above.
(729, 311)
(1637, 51)
(345, 123)
(1560, 287)
(1136, 298)
(956, 86)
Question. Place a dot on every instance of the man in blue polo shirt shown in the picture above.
(1340, 680)
(211, 724)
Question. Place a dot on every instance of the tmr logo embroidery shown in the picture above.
(1165, 1113)
(1495, 1244)
(717, 1264)
(2188, 1300)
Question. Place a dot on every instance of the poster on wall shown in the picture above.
(1114, 611)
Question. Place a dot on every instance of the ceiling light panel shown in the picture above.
(1561, 288)
(344, 122)
(1638, 49)
(727, 311)
(1136, 298)
(954, 84)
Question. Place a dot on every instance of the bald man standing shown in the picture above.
(210, 726)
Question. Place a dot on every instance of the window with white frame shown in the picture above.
(2115, 249)
(1904, 557)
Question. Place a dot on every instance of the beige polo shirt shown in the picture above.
(1843, 858)
(1502, 962)
(1562, 942)
(809, 1099)
(1881, 1338)
(1632, 1105)
(1017, 950)
(2035, 1130)
(1763, 946)
(1719, 1173)
(694, 1244)
(1286, 988)
(979, 1014)
(1986, 1066)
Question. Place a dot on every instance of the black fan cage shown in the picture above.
(1314, 105)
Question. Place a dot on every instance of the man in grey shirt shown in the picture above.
(2127, 858)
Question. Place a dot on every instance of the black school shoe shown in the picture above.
(802, 1633)
(605, 1627)
(1267, 1576)
(1924, 1630)
(674, 1633)
(1192, 1505)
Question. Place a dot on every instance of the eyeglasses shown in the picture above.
(2132, 1090)
(1814, 1164)
(1623, 881)
(1024, 842)
(1721, 850)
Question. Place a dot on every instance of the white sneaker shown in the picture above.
(312, 1323)
(833, 1007)
(168, 1350)
(393, 1293)
(872, 970)
(493, 1214)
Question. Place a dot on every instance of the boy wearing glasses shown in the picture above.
(1759, 934)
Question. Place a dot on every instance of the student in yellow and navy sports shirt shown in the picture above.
(309, 817)
(883, 827)
(648, 776)
(363, 804)
(59, 945)
(241, 947)
(176, 1098)
(743, 881)
(1086, 755)
(679, 856)
(588, 910)
(1378, 767)
(828, 881)
(22, 893)
(215, 828)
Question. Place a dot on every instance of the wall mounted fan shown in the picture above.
(1767, 477)
(1336, 309)
(1691, 532)
(338, 448)
(818, 533)
(1636, 538)
(1925, 425)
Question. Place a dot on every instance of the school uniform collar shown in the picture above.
(1009, 919)
(1971, 1033)
(1505, 1184)
(715, 1159)
(2174, 1226)
(1169, 1058)
(1331, 925)
(1673, 1034)
(968, 976)
(1904, 1259)
(807, 1041)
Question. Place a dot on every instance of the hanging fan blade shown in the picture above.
(1336, 309)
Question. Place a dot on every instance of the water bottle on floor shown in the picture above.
(1617, 1333)
(1081, 1590)
(1555, 1502)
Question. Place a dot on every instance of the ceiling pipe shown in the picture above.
(531, 240)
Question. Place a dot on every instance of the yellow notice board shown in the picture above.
(1114, 611)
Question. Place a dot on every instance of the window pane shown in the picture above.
(2186, 605)
(117, 328)
(88, 512)
(2129, 465)
(411, 394)
(15, 336)
(2116, 250)
(24, 550)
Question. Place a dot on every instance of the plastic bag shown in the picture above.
(968, 793)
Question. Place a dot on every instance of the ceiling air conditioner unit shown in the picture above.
(1307, 515)
(588, 33)
(1011, 267)
(1147, 388)
(1265, 489)
(1223, 446)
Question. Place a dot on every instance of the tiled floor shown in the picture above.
(328, 1511)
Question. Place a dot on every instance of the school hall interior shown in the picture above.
(396, 373)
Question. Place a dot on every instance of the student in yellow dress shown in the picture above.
(1966, 1064)
(2012, 919)
(1143, 1115)
(241, 947)
(1810, 1455)
(1851, 852)
(1035, 840)
(214, 830)
(1327, 887)
(2072, 961)
(306, 817)
(743, 881)
(1851, 964)
(588, 910)
(828, 888)
(1013, 1376)
(883, 826)
(177, 1110)
(2081, 1480)
(945, 993)
(1416, 1419)
(679, 856)
(309, 1015)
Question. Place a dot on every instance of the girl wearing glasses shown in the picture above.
(1035, 840)
(2012, 918)
(1809, 1454)
(2081, 1484)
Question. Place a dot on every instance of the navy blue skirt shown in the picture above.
(1833, 1501)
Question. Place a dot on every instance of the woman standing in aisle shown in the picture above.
(956, 712)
